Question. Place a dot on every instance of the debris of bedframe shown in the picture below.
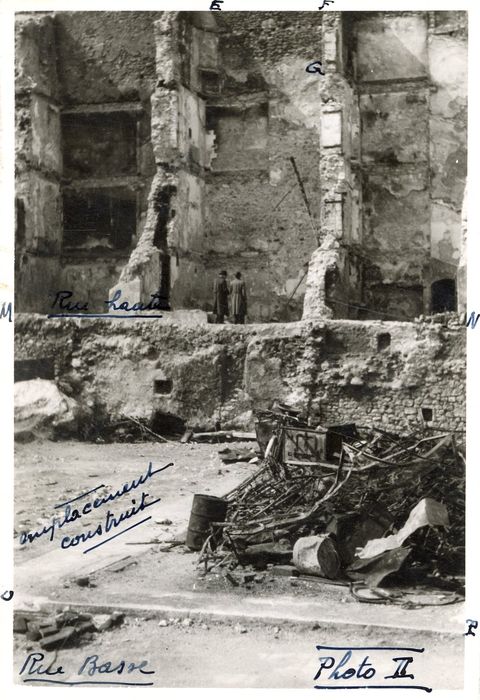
(346, 504)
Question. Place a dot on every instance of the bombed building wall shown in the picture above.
(397, 375)
(334, 285)
(196, 66)
(92, 158)
(266, 111)
(155, 159)
(411, 71)
(38, 235)
(448, 149)
(107, 74)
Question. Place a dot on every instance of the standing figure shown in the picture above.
(220, 297)
(238, 293)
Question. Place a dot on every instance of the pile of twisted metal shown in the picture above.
(347, 502)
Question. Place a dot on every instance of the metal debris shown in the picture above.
(357, 483)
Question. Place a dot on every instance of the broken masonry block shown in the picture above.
(71, 617)
(82, 581)
(231, 579)
(284, 570)
(87, 626)
(261, 554)
(33, 633)
(19, 623)
(114, 620)
(58, 639)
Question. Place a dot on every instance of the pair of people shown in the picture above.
(236, 289)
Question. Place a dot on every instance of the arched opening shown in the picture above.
(444, 296)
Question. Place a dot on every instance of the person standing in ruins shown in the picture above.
(238, 294)
(220, 297)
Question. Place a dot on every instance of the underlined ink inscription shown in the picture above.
(110, 521)
(216, 5)
(36, 670)
(350, 668)
(64, 305)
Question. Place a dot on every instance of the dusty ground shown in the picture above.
(241, 656)
(204, 653)
(48, 473)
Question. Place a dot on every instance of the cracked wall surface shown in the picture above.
(220, 103)
(336, 371)
(412, 72)
(38, 239)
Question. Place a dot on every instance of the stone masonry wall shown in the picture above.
(38, 235)
(372, 372)
(411, 69)
(267, 110)
(221, 102)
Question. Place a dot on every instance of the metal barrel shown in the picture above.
(316, 555)
(205, 510)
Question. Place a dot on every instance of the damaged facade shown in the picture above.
(400, 376)
(154, 149)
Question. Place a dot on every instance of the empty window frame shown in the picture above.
(99, 218)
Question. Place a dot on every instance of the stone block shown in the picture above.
(331, 133)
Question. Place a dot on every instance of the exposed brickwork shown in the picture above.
(333, 371)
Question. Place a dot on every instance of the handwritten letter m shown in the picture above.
(6, 311)
(473, 320)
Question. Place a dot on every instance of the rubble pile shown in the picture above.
(66, 628)
(346, 501)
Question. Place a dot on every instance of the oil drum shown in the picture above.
(205, 510)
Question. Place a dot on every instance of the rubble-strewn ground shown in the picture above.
(204, 653)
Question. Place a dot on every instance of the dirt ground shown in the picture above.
(48, 473)
(189, 653)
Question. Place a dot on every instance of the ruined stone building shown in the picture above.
(155, 148)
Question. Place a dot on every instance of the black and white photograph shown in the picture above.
(240, 348)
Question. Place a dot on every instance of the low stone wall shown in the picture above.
(335, 371)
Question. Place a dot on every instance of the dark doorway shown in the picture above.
(444, 296)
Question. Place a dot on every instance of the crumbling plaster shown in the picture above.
(412, 73)
(38, 163)
(333, 371)
(224, 98)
